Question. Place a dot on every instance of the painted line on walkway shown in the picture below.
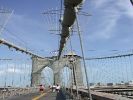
(40, 96)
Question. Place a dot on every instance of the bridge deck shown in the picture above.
(48, 95)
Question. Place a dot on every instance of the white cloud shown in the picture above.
(99, 3)
(109, 12)
(106, 27)
(126, 7)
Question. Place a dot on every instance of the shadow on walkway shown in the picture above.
(60, 96)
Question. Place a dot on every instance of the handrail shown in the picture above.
(100, 95)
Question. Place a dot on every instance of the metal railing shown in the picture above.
(83, 95)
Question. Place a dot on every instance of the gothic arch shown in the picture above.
(38, 64)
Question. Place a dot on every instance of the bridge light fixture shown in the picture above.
(71, 59)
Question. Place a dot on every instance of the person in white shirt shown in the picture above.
(57, 88)
(53, 88)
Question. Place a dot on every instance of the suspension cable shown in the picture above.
(81, 46)
(120, 72)
(25, 71)
(121, 60)
(6, 22)
(13, 75)
(130, 62)
(6, 75)
(126, 69)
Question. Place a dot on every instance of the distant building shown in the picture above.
(100, 84)
(127, 83)
(92, 84)
(131, 82)
(109, 84)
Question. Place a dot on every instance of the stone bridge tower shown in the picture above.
(38, 64)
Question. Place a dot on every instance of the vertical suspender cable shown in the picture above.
(72, 68)
(91, 71)
(105, 69)
(94, 74)
(25, 71)
(111, 61)
(115, 74)
(122, 69)
(13, 76)
(30, 71)
(102, 70)
(119, 72)
(81, 45)
(15, 72)
(118, 68)
(20, 77)
(127, 68)
(107, 78)
(131, 69)
(97, 72)
(6, 73)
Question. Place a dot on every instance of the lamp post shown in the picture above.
(72, 60)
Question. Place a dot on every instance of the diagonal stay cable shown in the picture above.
(84, 63)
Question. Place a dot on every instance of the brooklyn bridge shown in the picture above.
(88, 53)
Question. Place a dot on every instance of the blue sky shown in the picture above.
(109, 28)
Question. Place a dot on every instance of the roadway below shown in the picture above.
(48, 95)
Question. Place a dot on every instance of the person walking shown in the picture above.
(41, 89)
(57, 88)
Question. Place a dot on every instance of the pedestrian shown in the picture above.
(57, 88)
(41, 88)
(53, 88)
